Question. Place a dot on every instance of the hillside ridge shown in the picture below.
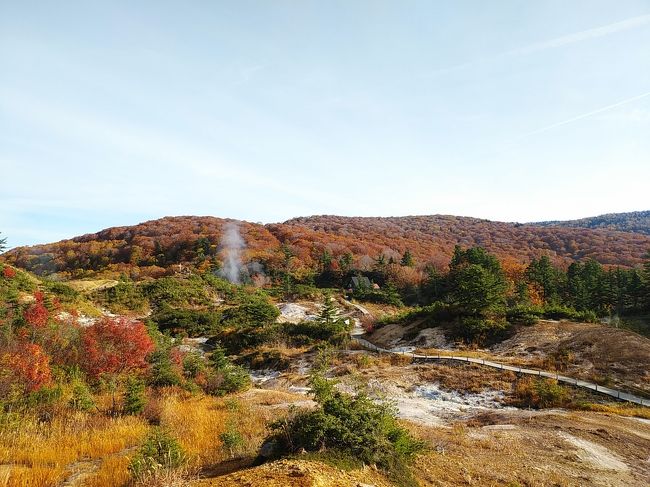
(153, 246)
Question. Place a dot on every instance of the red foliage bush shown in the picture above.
(8, 272)
(36, 315)
(115, 345)
(25, 366)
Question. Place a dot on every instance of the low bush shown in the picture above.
(82, 399)
(257, 310)
(354, 426)
(539, 393)
(187, 322)
(559, 312)
(380, 296)
(478, 328)
(524, 315)
(160, 451)
(232, 440)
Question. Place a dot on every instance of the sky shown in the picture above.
(117, 112)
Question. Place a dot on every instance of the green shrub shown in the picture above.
(125, 295)
(190, 322)
(134, 396)
(355, 426)
(309, 332)
(479, 328)
(232, 440)
(177, 292)
(255, 311)
(193, 364)
(381, 296)
(524, 315)
(539, 393)
(223, 376)
(236, 340)
(163, 372)
(82, 399)
(234, 379)
(266, 359)
(559, 312)
(65, 293)
(160, 451)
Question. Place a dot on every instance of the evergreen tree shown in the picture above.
(134, 397)
(477, 286)
(547, 277)
(287, 278)
(329, 313)
(645, 276)
(635, 290)
(3, 244)
(162, 369)
(407, 259)
(380, 263)
(218, 359)
(433, 286)
(345, 263)
(325, 261)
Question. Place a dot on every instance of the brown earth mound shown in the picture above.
(584, 350)
(298, 473)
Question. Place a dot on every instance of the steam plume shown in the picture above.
(232, 245)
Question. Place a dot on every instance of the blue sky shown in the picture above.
(112, 113)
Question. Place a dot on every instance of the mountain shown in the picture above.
(635, 222)
(156, 247)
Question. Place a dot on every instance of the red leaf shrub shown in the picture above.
(36, 315)
(115, 345)
(8, 272)
(24, 365)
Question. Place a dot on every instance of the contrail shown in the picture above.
(584, 35)
(593, 33)
(585, 115)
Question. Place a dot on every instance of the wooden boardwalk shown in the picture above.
(623, 396)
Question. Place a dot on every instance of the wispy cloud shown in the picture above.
(584, 35)
(557, 42)
(585, 115)
(143, 145)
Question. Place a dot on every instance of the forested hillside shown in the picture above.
(156, 247)
(432, 238)
(635, 221)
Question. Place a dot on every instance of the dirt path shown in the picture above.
(81, 469)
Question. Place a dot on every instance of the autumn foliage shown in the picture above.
(36, 315)
(115, 345)
(8, 272)
(155, 248)
(25, 366)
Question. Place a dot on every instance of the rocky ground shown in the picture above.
(464, 413)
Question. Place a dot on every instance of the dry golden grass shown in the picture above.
(197, 423)
(112, 472)
(96, 449)
(41, 453)
(90, 285)
(620, 409)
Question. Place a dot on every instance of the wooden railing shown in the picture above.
(623, 396)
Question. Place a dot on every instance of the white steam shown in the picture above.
(232, 245)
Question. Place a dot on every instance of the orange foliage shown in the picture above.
(115, 345)
(24, 365)
(153, 248)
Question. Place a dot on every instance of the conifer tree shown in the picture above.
(134, 398)
(407, 259)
